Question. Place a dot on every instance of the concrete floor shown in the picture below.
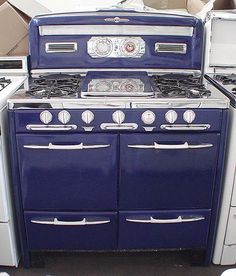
(117, 264)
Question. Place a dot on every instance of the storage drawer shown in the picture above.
(71, 231)
(163, 229)
(231, 228)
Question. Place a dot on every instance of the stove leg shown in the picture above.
(198, 258)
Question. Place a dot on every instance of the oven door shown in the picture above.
(160, 171)
(68, 172)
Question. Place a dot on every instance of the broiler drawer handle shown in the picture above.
(171, 147)
(83, 222)
(80, 146)
(180, 219)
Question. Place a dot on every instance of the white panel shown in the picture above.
(233, 203)
(229, 255)
(231, 228)
(3, 199)
(115, 30)
(223, 43)
(7, 254)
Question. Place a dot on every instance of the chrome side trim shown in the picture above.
(180, 219)
(115, 30)
(191, 127)
(113, 126)
(83, 222)
(51, 127)
(80, 146)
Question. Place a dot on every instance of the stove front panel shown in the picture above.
(116, 40)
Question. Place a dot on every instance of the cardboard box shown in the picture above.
(224, 4)
(13, 31)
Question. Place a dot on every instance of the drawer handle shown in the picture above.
(80, 146)
(171, 147)
(180, 219)
(51, 127)
(186, 127)
(83, 222)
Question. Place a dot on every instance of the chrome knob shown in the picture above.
(64, 116)
(87, 116)
(171, 116)
(148, 117)
(189, 116)
(46, 117)
(118, 117)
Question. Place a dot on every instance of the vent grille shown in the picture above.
(61, 47)
(176, 48)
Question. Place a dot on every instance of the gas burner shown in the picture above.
(226, 80)
(180, 86)
(56, 85)
(4, 83)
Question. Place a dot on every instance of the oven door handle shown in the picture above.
(180, 219)
(171, 147)
(82, 222)
(80, 146)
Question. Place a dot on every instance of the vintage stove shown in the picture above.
(220, 67)
(117, 132)
(13, 73)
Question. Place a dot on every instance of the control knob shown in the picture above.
(189, 116)
(87, 117)
(171, 116)
(64, 117)
(46, 117)
(118, 117)
(148, 117)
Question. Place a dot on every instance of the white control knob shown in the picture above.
(171, 116)
(118, 117)
(64, 116)
(87, 117)
(189, 116)
(148, 117)
(46, 117)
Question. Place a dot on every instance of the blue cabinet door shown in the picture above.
(68, 172)
(160, 171)
(164, 229)
(71, 230)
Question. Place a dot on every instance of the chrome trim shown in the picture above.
(117, 19)
(180, 219)
(195, 127)
(113, 126)
(51, 30)
(177, 48)
(171, 147)
(51, 127)
(60, 49)
(80, 146)
(57, 222)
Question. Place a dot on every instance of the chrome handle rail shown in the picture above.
(51, 127)
(180, 219)
(80, 146)
(111, 126)
(193, 127)
(83, 222)
(171, 147)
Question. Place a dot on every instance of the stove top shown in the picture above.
(228, 81)
(4, 82)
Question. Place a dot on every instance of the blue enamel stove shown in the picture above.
(117, 140)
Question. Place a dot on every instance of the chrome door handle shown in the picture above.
(180, 219)
(51, 127)
(83, 222)
(171, 147)
(111, 126)
(80, 146)
(194, 127)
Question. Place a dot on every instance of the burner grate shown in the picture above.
(226, 80)
(4, 83)
(179, 86)
(56, 85)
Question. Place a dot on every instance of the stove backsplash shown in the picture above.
(116, 40)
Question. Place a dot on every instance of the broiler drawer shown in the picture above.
(163, 229)
(71, 231)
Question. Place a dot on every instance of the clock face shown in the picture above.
(103, 47)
